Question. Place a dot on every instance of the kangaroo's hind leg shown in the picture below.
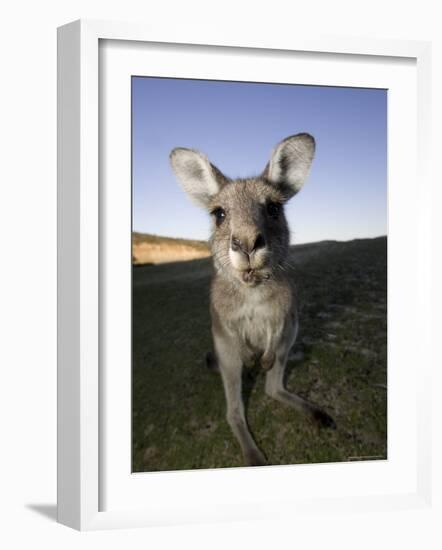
(230, 366)
(274, 387)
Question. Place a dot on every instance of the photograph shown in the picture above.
(259, 274)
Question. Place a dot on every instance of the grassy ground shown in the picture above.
(338, 362)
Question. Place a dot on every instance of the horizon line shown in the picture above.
(290, 244)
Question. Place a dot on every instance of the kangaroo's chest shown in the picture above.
(258, 323)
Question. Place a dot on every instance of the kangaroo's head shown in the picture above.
(250, 236)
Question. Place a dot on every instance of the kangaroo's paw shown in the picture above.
(267, 361)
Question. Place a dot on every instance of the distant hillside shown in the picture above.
(152, 249)
(300, 253)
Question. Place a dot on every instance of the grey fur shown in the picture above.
(253, 303)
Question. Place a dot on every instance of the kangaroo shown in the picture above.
(253, 301)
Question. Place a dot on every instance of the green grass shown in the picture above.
(338, 362)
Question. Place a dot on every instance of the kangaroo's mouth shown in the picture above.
(254, 276)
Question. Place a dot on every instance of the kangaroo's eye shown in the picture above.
(219, 215)
(274, 209)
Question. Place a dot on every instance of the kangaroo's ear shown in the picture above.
(290, 163)
(200, 179)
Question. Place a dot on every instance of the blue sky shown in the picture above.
(237, 125)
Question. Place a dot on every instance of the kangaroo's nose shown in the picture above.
(235, 244)
(244, 245)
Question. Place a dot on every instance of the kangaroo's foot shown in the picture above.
(317, 415)
(322, 418)
(255, 457)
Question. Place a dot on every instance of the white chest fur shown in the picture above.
(258, 321)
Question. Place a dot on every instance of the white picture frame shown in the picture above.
(80, 272)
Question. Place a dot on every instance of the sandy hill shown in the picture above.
(152, 249)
